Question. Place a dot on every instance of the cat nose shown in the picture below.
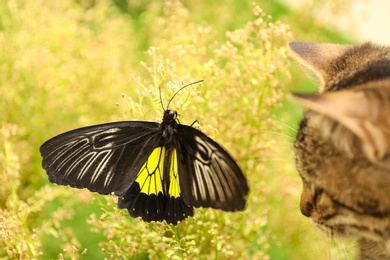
(306, 204)
(306, 209)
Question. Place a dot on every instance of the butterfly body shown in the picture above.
(158, 171)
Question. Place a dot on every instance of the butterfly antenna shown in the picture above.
(196, 82)
(162, 105)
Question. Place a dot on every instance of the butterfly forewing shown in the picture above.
(212, 178)
(103, 158)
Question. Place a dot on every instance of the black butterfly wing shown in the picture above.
(209, 176)
(103, 158)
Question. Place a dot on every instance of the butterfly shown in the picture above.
(159, 171)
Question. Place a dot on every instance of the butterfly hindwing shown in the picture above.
(211, 177)
(103, 158)
(176, 209)
(155, 194)
(146, 197)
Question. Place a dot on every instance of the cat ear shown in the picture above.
(353, 110)
(317, 56)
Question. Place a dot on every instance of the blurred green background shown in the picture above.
(68, 64)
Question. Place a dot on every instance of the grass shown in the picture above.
(70, 64)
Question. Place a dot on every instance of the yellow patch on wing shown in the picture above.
(150, 176)
(174, 185)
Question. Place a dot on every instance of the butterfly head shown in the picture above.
(169, 116)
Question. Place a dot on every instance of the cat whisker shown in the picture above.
(278, 133)
(294, 129)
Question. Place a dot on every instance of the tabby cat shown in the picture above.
(342, 145)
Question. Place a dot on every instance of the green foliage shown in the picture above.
(68, 64)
